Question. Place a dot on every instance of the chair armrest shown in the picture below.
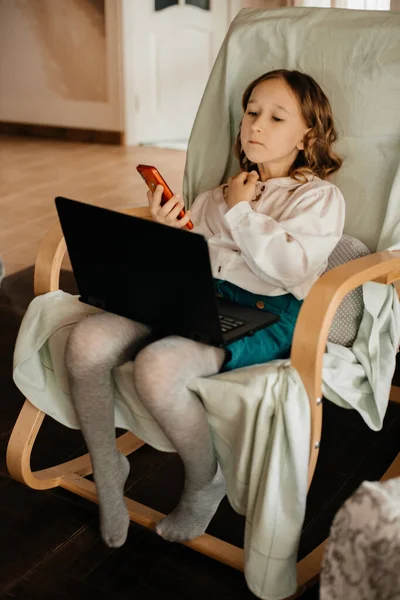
(319, 308)
(315, 319)
(52, 250)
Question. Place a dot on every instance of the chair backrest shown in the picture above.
(355, 57)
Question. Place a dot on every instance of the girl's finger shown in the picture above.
(149, 197)
(168, 206)
(157, 196)
(175, 211)
(242, 176)
(185, 219)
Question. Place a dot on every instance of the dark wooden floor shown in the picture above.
(49, 542)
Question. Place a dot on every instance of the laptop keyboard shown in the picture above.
(227, 323)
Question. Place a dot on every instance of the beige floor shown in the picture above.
(33, 172)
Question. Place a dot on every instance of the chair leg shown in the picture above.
(393, 471)
(147, 517)
(71, 476)
(307, 569)
(395, 394)
(20, 447)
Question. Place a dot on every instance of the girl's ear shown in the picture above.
(309, 138)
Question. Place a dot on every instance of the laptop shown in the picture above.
(151, 273)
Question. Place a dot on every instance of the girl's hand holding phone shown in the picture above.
(165, 206)
(168, 213)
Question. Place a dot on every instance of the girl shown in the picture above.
(270, 231)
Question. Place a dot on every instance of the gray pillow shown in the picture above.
(348, 317)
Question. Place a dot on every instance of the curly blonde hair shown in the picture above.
(317, 158)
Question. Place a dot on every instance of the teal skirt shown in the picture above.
(266, 344)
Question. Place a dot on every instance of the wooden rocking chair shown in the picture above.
(308, 347)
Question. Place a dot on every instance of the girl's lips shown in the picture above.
(254, 142)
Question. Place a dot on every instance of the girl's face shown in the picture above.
(272, 128)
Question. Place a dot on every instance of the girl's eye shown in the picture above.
(277, 119)
(252, 113)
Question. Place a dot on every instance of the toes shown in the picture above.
(114, 542)
(115, 537)
(163, 531)
(174, 530)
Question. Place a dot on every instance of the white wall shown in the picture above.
(60, 63)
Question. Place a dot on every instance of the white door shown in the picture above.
(169, 48)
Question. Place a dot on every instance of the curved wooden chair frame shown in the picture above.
(309, 342)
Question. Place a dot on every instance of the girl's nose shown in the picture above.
(256, 125)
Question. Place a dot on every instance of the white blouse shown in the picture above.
(278, 243)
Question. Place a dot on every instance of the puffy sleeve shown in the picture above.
(295, 248)
(205, 211)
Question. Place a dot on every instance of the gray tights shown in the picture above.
(162, 371)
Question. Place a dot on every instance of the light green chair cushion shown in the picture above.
(355, 56)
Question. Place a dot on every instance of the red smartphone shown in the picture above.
(153, 178)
